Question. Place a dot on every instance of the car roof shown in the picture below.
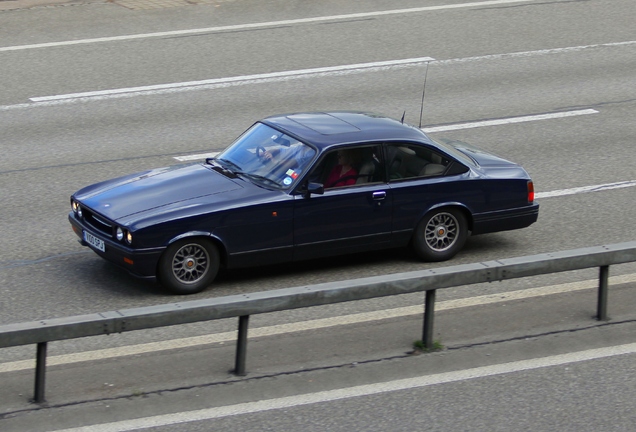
(324, 129)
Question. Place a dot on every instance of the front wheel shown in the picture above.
(188, 266)
(440, 234)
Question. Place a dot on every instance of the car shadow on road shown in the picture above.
(106, 280)
(375, 263)
(330, 264)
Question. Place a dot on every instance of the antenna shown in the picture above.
(403, 114)
(423, 93)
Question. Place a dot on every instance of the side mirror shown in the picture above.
(314, 188)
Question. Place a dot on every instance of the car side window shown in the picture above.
(411, 161)
(350, 166)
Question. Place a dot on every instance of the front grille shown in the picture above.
(98, 223)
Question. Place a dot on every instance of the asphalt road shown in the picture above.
(77, 107)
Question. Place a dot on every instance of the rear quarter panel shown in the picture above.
(476, 194)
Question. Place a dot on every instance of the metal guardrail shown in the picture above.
(244, 305)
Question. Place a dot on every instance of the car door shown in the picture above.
(349, 217)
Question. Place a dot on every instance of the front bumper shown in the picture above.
(139, 262)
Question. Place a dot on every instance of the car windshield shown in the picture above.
(267, 156)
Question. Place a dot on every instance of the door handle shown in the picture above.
(378, 196)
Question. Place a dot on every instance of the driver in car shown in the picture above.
(301, 155)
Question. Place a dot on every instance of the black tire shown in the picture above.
(440, 234)
(188, 266)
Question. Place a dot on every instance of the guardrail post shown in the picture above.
(603, 287)
(40, 372)
(429, 309)
(241, 346)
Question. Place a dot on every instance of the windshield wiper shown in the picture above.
(230, 166)
(225, 163)
(257, 177)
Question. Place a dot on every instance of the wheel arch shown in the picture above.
(207, 235)
(452, 205)
(436, 244)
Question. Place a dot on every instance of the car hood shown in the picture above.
(125, 196)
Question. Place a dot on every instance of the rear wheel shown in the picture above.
(440, 234)
(188, 266)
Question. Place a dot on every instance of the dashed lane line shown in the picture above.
(227, 81)
(586, 189)
(129, 92)
(282, 76)
(498, 122)
(510, 120)
(451, 127)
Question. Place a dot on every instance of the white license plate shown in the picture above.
(97, 243)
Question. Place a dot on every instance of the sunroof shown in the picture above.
(324, 124)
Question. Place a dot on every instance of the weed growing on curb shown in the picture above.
(418, 345)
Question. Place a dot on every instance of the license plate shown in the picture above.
(97, 243)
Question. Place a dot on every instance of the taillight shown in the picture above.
(530, 191)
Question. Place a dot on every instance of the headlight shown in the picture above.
(119, 234)
(128, 237)
(74, 206)
(79, 210)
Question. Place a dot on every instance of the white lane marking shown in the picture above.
(497, 122)
(265, 77)
(239, 27)
(46, 101)
(585, 189)
(302, 73)
(512, 120)
(535, 53)
(509, 120)
(313, 324)
(359, 391)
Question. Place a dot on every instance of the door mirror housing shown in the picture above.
(314, 188)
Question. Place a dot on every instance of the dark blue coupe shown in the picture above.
(301, 186)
